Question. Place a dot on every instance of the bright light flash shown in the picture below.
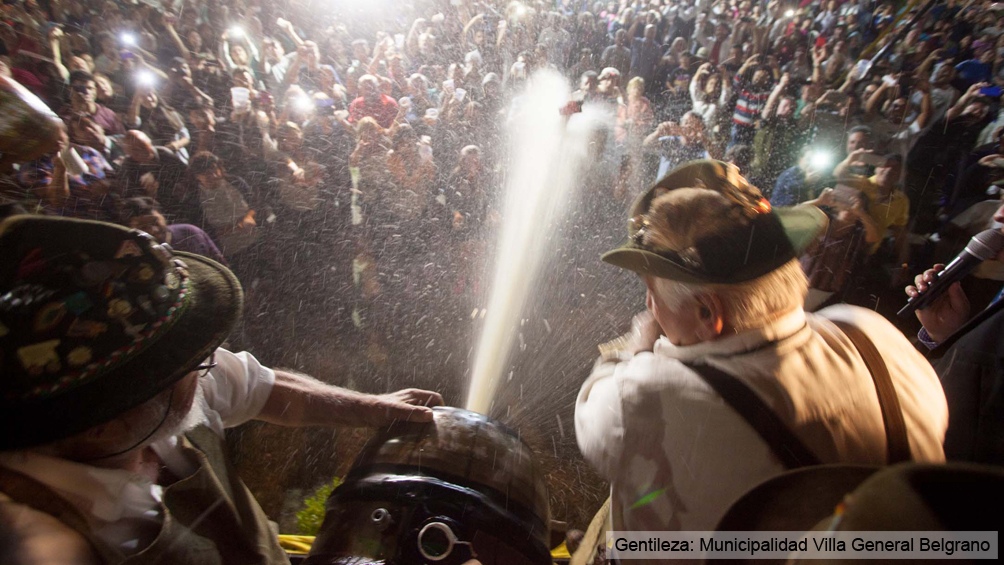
(237, 31)
(789, 13)
(821, 159)
(303, 104)
(520, 11)
(145, 78)
(128, 38)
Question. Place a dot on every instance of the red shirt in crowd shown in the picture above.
(384, 111)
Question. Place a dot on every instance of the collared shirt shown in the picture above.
(118, 503)
(677, 455)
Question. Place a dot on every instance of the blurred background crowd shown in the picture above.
(347, 158)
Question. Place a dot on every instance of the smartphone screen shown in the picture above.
(991, 91)
(873, 159)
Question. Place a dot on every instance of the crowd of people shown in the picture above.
(346, 162)
(353, 140)
(247, 120)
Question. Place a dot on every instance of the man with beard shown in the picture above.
(114, 401)
(371, 103)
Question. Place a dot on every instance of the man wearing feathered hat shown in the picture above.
(114, 394)
(725, 380)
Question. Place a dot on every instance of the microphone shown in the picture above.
(984, 245)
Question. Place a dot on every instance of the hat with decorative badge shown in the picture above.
(96, 319)
(756, 240)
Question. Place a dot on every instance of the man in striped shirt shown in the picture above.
(752, 83)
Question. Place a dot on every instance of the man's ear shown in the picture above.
(711, 316)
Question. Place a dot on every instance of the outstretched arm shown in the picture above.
(298, 400)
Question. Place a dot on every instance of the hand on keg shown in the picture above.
(410, 405)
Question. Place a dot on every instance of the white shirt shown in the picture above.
(666, 441)
(118, 502)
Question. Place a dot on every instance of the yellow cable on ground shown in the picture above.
(296, 545)
(300, 545)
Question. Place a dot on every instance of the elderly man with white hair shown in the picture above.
(726, 381)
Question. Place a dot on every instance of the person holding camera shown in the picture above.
(888, 113)
(83, 101)
(888, 207)
(752, 84)
(676, 144)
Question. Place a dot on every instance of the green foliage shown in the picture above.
(309, 518)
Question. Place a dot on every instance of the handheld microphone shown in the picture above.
(984, 245)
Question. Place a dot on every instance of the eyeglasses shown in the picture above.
(204, 368)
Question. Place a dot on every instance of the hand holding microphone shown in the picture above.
(942, 317)
(945, 315)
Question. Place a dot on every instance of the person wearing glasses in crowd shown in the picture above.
(115, 392)
(724, 302)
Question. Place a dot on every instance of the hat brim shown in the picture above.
(213, 310)
(801, 224)
(795, 501)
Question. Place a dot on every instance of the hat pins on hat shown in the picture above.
(99, 319)
(765, 239)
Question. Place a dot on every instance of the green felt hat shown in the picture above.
(762, 239)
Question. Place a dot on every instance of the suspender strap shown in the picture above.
(33, 494)
(897, 444)
(782, 441)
